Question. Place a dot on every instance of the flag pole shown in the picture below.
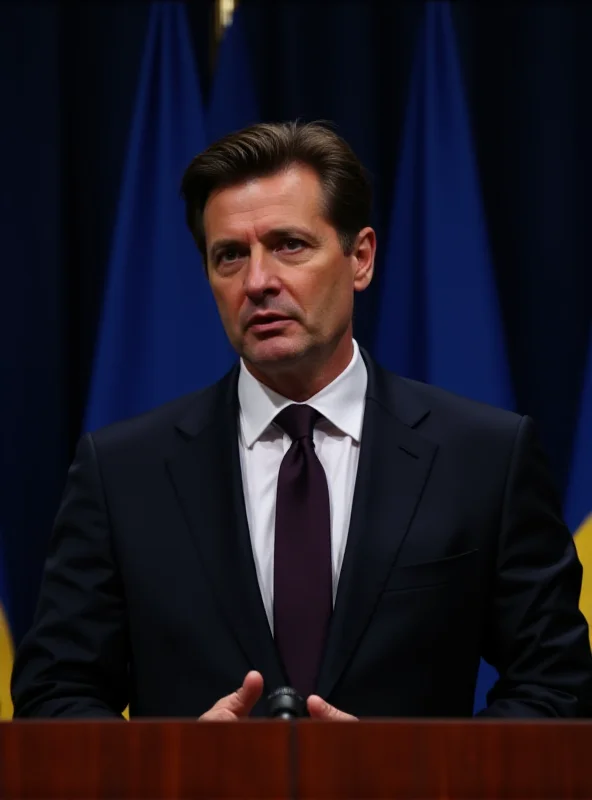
(224, 10)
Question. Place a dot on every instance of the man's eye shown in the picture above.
(291, 245)
(228, 256)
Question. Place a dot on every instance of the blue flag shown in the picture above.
(6, 650)
(578, 503)
(439, 319)
(233, 103)
(160, 334)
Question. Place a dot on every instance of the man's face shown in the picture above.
(283, 286)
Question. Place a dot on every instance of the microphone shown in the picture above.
(286, 703)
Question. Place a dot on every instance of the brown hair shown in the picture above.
(267, 148)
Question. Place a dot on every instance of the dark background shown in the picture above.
(68, 74)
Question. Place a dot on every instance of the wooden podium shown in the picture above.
(260, 759)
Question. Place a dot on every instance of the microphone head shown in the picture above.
(285, 703)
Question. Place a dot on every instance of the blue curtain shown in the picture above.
(578, 503)
(160, 335)
(439, 318)
(233, 101)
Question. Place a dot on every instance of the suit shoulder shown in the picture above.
(456, 409)
(149, 427)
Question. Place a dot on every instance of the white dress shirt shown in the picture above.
(263, 444)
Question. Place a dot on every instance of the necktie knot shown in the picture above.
(298, 421)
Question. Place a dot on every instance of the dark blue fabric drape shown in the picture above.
(578, 500)
(233, 102)
(160, 335)
(439, 318)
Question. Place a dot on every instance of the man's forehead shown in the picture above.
(294, 192)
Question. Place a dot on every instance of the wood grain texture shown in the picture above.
(474, 759)
(143, 759)
(480, 760)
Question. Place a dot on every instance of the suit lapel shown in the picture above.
(206, 473)
(393, 467)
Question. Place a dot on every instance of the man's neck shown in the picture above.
(306, 378)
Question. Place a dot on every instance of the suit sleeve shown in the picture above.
(537, 638)
(73, 661)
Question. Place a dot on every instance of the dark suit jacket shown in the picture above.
(456, 550)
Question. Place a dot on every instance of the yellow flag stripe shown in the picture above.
(583, 541)
(6, 658)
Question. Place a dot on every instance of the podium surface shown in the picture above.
(306, 759)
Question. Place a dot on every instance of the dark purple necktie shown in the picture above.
(303, 589)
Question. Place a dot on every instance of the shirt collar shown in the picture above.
(342, 401)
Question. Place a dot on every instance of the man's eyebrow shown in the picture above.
(291, 232)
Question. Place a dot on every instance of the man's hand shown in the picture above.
(320, 709)
(238, 704)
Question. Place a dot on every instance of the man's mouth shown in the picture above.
(267, 322)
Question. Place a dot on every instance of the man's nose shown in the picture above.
(261, 277)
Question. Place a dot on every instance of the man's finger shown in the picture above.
(320, 709)
(243, 700)
(239, 703)
(218, 715)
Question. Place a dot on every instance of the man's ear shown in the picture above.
(364, 253)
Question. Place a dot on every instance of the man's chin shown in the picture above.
(273, 352)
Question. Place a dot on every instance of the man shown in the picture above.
(310, 520)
